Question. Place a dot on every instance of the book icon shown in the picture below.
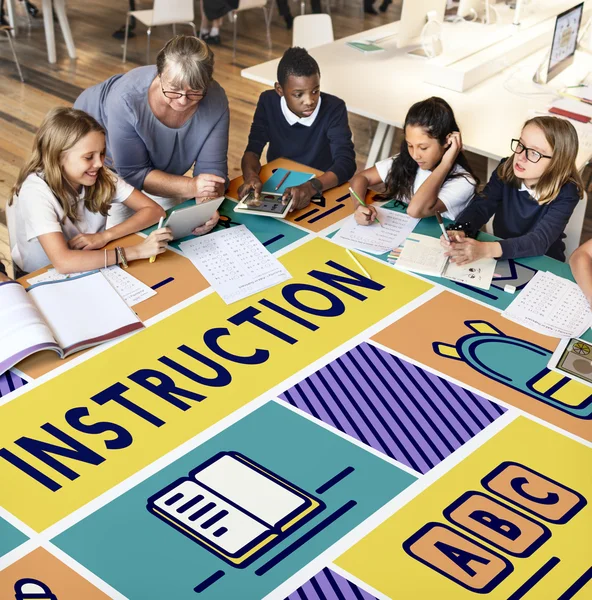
(234, 507)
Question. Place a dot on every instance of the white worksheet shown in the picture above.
(132, 290)
(551, 305)
(376, 239)
(235, 263)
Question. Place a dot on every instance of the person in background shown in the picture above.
(581, 267)
(531, 196)
(303, 124)
(430, 174)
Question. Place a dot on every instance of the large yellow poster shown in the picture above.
(514, 516)
(67, 441)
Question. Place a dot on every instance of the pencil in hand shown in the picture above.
(160, 222)
(353, 193)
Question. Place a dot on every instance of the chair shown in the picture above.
(7, 30)
(247, 5)
(164, 12)
(312, 30)
(573, 230)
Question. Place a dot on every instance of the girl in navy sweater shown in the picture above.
(532, 195)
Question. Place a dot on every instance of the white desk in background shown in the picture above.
(48, 6)
(382, 86)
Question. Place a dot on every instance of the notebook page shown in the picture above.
(210, 516)
(83, 309)
(132, 290)
(250, 489)
(235, 263)
(422, 254)
(551, 305)
(478, 273)
(374, 238)
(23, 330)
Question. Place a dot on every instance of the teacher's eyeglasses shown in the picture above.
(531, 155)
(191, 96)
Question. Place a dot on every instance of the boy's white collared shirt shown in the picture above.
(293, 119)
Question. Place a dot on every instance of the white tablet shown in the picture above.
(184, 220)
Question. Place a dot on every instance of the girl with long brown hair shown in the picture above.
(532, 195)
(62, 197)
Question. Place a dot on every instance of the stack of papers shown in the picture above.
(376, 239)
(235, 263)
(552, 306)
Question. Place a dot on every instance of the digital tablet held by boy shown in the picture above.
(302, 124)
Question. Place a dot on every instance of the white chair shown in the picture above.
(164, 12)
(247, 5)
(7, 30)
(573, 231)
(312, 30)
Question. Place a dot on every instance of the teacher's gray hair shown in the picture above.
(188, 62)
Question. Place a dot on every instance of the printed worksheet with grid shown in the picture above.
(235, 263)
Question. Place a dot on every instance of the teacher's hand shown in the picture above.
(206, 185)
(208, 226)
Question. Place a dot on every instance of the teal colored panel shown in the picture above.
(145, 557)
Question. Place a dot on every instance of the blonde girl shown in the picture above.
(62, 197)
(532, 195)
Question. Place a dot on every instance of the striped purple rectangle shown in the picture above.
(393, 406)
(10, 382)
(328, 585)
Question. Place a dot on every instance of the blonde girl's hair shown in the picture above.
(188, 61)
(563, 139)
(61, 129)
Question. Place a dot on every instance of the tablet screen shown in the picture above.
(266, 203)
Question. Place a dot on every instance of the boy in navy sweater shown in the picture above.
(302, 124)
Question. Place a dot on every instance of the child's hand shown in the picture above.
(207, 227)
(301, 195)
(251, 184)
(365, 215)
(454, 141)
(89, 241)
(155, 243)
(455, 236)
(466, 250)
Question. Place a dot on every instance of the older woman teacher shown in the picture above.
(160, 120)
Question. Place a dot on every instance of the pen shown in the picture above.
(153, 258)
(351, 191)
(441, 223)
(351, 255)
(279, 185)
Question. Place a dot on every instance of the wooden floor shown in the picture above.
(22, 106)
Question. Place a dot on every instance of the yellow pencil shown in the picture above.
(358, 263)
(153, 258)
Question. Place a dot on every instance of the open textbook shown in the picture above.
(64, 316)
(424, 254)
(234, 507)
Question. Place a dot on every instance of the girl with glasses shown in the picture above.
(531, 196)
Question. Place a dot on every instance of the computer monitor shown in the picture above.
(413, 18)
(565, 40)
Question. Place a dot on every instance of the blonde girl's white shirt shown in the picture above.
(36, 211)
(455, 193)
